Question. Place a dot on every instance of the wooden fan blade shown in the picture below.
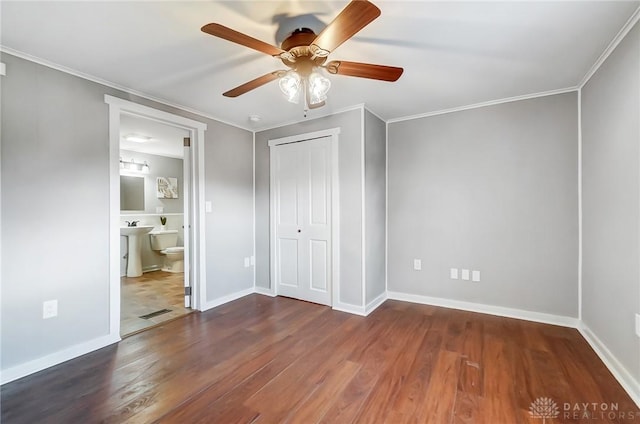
(253, 84)
(234, 36)
(353, 18)
(364, 70)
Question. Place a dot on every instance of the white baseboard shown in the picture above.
(265, 291)
(30, 367)
(145, 269)
(626, 380)
(486, 309)
(349, 308)
(360, 310)
(373, 305)
(151, 268)
(225, 299)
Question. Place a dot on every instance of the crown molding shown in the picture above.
(635, 17)
(484, 104)
(97, 80)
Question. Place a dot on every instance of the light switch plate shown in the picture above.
(247, 262)
(417, 264)
(465, 274)
(453, 273)
(475, 276)
(49, 309)
(638, 325)
(208, 207)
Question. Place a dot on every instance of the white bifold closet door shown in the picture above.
(303, 220)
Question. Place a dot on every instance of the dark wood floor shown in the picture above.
(273, 360)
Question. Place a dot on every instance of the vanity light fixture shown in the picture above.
(134, 166)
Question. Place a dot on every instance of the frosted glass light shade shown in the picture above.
(318, 88)
(290, 85)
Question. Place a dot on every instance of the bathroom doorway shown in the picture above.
(154, 197)
(155, 201)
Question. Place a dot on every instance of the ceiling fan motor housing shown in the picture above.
(299, 53)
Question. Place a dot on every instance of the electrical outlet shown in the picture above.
(475, 276)
(247, 262)
(453, 273)
(638, 325)
(49, 309)
(417, 264)
(465, 274)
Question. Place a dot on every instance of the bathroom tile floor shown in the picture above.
(149, 293)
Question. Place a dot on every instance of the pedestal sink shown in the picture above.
(134, 261)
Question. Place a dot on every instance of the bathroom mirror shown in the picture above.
(131, 193)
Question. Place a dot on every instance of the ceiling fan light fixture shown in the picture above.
(304, 53)
(318, 88)
(290, 85)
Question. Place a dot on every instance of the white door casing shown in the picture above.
(195, 220)
(304, 218)
(186, 178)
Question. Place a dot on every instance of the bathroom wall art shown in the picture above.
(167, 187)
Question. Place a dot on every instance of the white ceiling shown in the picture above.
(454, 53)
(165, 140)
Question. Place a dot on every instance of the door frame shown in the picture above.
(118, 106)
(333, 133)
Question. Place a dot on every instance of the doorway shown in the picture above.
(305, 216)
(164, 151)
(154, 197)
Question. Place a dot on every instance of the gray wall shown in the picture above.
(350, 168)
(229, 187)
(55, 208)
(159, 166)
(375, 157)
(492, 189)
(611, 213)
(55, 211)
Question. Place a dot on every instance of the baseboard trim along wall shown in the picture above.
(31, 367)
(228, 298)
(373, 305)
(265, 291)
(351, 309)
(626, 380)
(500, 311)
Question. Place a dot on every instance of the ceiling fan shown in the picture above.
(305, 54)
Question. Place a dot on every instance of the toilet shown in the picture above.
(164, 242)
